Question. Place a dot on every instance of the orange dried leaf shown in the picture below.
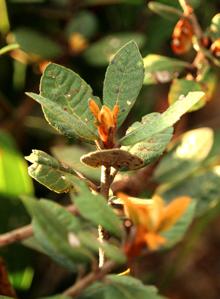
(174, 211)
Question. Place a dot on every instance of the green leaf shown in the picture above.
(177, 232)
(150, 149)
(70, 155)
(186, 155)
(167, 119)
(84, 23)
(182, 87)
(71, 93)
(34, 42)
(112, 251)
(127, 287)
(101, 52)
(166, 11)
(120, 287)
(162, 69)
(95, 209)
(50, 172)
(51, 225)
(14, 179)
(64, 97)
(123, 80)
(202, 187)
(66, 122)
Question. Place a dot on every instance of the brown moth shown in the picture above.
(116, 158)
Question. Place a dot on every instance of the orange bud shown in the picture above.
(94, 108)
(106, 121)
(115, 113)
(182, 37)
(106, 117)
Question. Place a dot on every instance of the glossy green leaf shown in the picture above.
(123, 80)
(94, 208)
(70, 155)
(101, 52)
(182, 87)
(34, 42)
(177, 232)
(166, 11)
(150, 149)
(167, 119)
(14, 179)
(186, 155)
(51, 225)
(84, 23)
(50, 172)
(64, 97)
(161, 69)
(202, 187)
(120, 287)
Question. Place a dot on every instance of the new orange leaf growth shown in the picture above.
(106, 122)
(182, 37)
(151, 218)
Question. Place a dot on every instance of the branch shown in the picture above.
(104, 190)
(24, 232)
(89, 279)
(189, 13)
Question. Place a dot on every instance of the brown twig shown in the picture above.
(198, 32)
(24, 232)
(78, 287)
(189, 13)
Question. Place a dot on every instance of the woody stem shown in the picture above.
(105, 186)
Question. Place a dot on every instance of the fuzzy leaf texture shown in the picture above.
(123, 80)
(168, 118)
(50, 172)
(150, 149)
(51, 225)
(95, 209)
(64, 98)
(182, 87)
(120, 287)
